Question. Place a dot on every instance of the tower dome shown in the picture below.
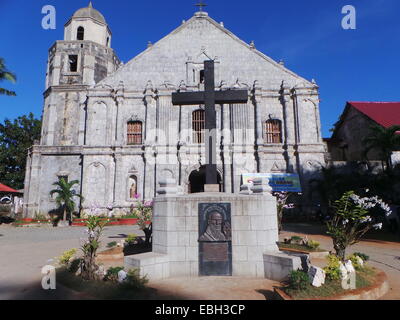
(88, 24)
(90, 12)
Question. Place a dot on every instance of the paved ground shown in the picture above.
(24, 251)
(216, 288)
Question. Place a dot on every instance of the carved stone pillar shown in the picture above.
(33, 199)
(118, 136)
(119, 181)
(290, 129)
(227, 170)
(150, 101)
(257, 100)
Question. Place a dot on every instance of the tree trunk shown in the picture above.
(389, 163)
(340, 250)
(280, 215)
(65, 214)
(148, 232)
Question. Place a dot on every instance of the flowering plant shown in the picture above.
(353, 217)
(95, 226)
(281, 204)
(144, 213)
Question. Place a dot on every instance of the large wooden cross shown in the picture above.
(209, 97)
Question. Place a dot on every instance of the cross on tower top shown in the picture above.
(201, 5)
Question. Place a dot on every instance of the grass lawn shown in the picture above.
(364, 278)
(283, 245)
(101, 289)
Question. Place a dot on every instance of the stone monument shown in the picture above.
(213, 233)
(210, 233)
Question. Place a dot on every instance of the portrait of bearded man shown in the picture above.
(217, 229)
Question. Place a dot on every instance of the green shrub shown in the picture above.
(134, 280)
(112, 244)
(74, 265)
(131, 238)
(296, 239)
(312, 244)
(298, 280)
(112, 274)
(41, 216)
(355, 262)
(362, 256)
(66, 257)
(332, 270)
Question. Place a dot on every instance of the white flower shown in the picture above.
(366, 219)
(349, 266)
(122, 275)
(377, 226)
(360, 261)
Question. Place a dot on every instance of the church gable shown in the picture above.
(180, 55)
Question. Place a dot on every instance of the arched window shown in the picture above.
(198, 126)
(134, 132)
(81, 33)
(273, 131)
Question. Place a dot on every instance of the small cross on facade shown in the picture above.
(201, 5)
(209, 97)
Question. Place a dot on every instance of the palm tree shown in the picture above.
(386, 140)
(65, 195)
(6, 75)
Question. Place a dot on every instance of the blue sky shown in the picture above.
(358, 65)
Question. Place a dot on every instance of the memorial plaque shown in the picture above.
(215, 244)
(215, 251)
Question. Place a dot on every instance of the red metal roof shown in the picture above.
(386, 114)
(4, 188)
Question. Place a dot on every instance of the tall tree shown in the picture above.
(385, 141)
(5, 74)
(16, 137)
(65, 195)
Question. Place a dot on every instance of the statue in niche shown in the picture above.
(133, 189)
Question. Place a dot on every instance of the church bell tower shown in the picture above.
(81, 60)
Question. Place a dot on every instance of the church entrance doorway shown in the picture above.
(197, 180)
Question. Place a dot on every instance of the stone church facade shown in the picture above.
(113, 127)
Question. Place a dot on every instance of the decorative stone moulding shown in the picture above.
(167, 187)
(246, 188)
(261, 186)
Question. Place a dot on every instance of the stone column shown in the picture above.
(289, 124)
(226, 144)
(149, 175)
(119, 181)
(259, 141)
(82, 119)
(52, 118)
(257, 100)
(150, 102)
(27, 182)
(118, 126)
(33, 202)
